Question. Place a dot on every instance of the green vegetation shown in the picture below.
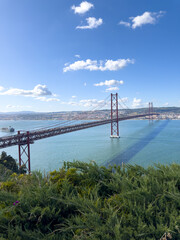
(8, 164)
(85, 201)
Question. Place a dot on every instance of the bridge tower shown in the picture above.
(114, 116)
(24, 153)
(151, 110)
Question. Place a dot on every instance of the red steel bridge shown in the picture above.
(24, 139)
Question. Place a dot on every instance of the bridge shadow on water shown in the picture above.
(131, 151)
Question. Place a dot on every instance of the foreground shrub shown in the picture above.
(86, 201)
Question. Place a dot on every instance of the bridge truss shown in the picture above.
(25, 139)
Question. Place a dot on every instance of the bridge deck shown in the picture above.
(21, 139)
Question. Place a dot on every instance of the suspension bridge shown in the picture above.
(24, 139)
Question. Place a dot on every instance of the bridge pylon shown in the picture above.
(24, 153)
(150, 111)
(114, 116)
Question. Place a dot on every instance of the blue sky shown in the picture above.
(70, 55)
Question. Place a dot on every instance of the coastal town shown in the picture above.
(164, 113)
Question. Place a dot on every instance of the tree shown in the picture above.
(10, 163)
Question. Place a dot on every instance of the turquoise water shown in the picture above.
(140, 143)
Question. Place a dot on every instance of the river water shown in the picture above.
(140, 142)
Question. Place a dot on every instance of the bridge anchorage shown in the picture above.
(24, 139)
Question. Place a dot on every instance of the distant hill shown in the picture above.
(81, 115)
(21, 112)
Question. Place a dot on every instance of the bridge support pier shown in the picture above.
(114, 116)
(24, 154)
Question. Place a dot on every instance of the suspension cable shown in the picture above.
(72, 120)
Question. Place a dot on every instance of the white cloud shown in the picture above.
(109, 83)
(112, 89)
(74, 97)
(17, 106)
(94, 65)
(166, 104)
(145, 18)
(1, 88)
(137, 103)
(40, 92)
(79, 65)
(85, 84)
(92, 22)
(72, 103)
(88, 103)
(116, 65)
(112, 85)
(82, 8)
(127, 24)
(45, 99)
(77, 56)
(91, 103)
(123, 100)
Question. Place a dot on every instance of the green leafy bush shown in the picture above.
(86, 201)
